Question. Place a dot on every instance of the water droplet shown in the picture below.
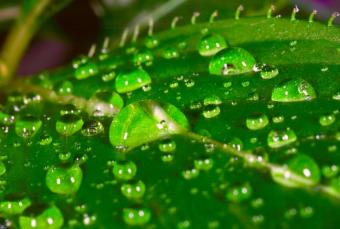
(167, 157)
(136, 216)
(27, 126)
(212, 100)
(133, 191)
(65, 88)
(45, 139)
(2, 168)
(86, 70)
(231, 61)
(69, 124)
(14, 207)
(240, 193)
(130, 81)
(146, 121)
(204, 164)
(64, 180)
(330, 171)
(92, 128)
(281, 138)
(257, 122)
(167, 146)
(145, 57)
(108, 76)
(295, 90)
(50, 218)
(211, 111)
(170, 53)
(124, 170)
(268, 72)
(211, 44)
(151, 42)
(327, 120)
(300, 165)
(191, 173)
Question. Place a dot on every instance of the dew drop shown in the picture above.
(211, 44)
(50, 218)
(167, 146)
(136, 216)
(268, 72)
(133, 190)
(92, 128)
(145, 57)
(62, 180)
(327, 120)
(303, 166)
(191, 173)
(231, 61)
(204, 164)
(86, 70)
(257, 122)
(295, 90)
(279, 138)
(124, 170)
(170, 53)
(151, 42)
(239, 194)
(69, 124)
(27, 126)
(211, 111)
(14, 207)
(130, 81)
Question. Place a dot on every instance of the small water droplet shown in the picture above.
(136, 216)
(124, 170)
(134, 190)
(279, 138)
(69, 124)
(257, 122)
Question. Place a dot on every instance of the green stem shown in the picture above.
(17, 41)
(258, 162)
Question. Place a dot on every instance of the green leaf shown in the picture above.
(249, 141)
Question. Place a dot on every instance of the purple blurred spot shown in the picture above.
(44, 54)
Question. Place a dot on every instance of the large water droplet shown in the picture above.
(204, 164)
(143, 122)
(231, 61)
(211, 44)
(130, 81)
(301, 170)
(295, 90)
(64, 180)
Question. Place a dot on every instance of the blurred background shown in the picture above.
(83, 22)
